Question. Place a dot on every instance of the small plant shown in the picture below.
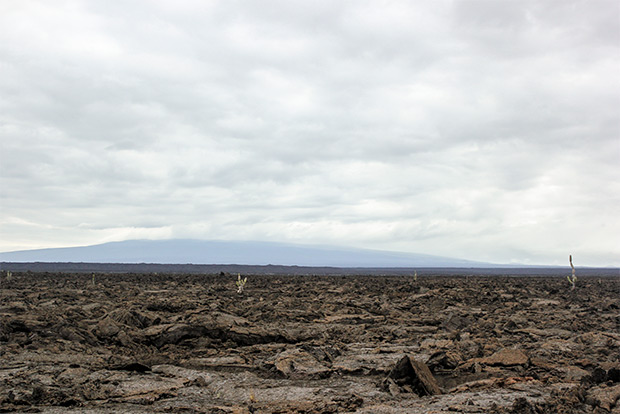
(9, 275)
(240, 283)
(415, 275)
(572, 279)
(93, 279)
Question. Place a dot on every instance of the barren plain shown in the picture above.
(187, 343)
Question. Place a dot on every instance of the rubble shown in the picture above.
(147, 343)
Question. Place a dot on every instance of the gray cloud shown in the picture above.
(471, 129)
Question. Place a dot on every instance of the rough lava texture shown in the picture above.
(175, 343)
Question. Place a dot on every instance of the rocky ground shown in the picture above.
(149, 343)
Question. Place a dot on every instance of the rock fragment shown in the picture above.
(107, 328)
(409, 374)
(296, 363)
(444, 360)
(506, 357)
(604, 397)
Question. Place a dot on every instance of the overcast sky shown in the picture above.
(485, 130)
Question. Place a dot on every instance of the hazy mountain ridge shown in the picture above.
(186, 251)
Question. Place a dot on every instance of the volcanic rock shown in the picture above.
(413, 375)
(506, 357)
(296, 363)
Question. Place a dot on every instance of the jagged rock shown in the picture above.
(456, 322)
(106, 328)
(331, 338)
(411, 374)
(604, 397)
(197, 376)
(124, 339)
(243, 336)
(73, 375)
(506, 357)
(160, 335)
(600, 339)
(134, 319)
(573, 373)
(444, 360)
(365, 364)
(216, 362)
(296, 363)
(227, 321)
(149, 388)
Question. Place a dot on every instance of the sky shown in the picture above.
(486, 130)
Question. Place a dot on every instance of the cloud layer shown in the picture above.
(476, 129)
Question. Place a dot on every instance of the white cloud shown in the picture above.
(469, 129)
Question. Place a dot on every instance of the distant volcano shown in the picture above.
(179, 251)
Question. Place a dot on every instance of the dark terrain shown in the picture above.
(188, 343)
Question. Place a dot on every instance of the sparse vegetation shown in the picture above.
(240, 283)
(190, 337)
(572, 279)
